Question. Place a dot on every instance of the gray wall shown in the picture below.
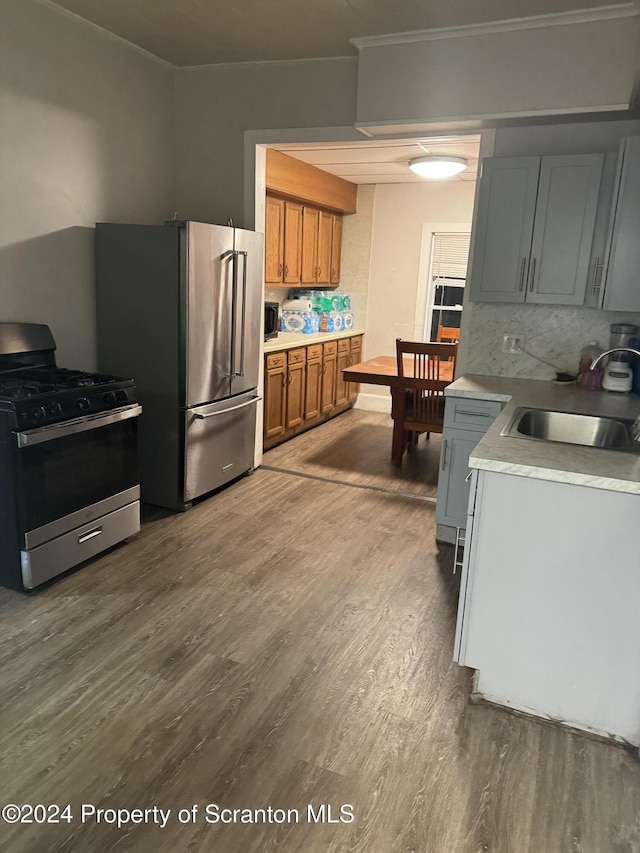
(518, 72)
(215, 105)
(86, 134)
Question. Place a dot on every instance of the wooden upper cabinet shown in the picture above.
(336, 247)
(323, 255)
(303, 224)
(292, 242)
(274, 240)
(309, 244)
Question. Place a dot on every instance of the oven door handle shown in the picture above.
(100, 419)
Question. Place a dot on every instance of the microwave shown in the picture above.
(271, 320)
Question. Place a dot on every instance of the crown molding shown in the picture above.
(581, 16)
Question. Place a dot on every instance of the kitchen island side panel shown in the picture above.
(554, 623)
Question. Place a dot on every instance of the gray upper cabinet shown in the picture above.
(504, 225)
(535, 228)
(622, 292)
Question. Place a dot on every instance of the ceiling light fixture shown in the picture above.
(437, 166)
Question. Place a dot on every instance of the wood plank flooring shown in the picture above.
(285, 642)
(355, 447)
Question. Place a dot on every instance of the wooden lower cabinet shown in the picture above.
(275, 394)
(355, 357)
(344, 360)
(296, 364)
(329, 365)
(313, 387)
(303, 387)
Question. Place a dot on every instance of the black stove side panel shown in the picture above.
(10, 572)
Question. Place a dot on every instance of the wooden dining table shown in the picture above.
(383, 370)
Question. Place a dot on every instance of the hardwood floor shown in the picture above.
(355, 448)
(285, 642)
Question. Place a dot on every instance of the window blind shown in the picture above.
(450, 254)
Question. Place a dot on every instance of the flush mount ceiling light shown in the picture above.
(437, 166)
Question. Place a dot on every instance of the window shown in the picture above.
(446, 281)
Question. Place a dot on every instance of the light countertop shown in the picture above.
(287, 340)
(546, 460)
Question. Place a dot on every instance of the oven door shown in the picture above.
(67, 468)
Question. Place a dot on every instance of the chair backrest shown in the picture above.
(448, 333)
(420, 363)
(421, 379)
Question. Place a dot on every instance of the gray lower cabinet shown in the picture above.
(465, 422)
(622, 291)
(535, 229)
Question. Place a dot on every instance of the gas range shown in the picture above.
(45, 395)
(68, 460)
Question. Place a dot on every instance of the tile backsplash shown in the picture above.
(554, 336)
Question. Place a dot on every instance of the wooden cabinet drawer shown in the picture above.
(471, 414)
(356, 343)
(314, 352)
(297, 356)
(344, 345)
(276, 359)
(331, 348)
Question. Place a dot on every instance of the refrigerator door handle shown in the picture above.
(244, 311)
(225, 411)
(234, 311)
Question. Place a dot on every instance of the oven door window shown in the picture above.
(69, 473)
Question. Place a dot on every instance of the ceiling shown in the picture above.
(385, 161)
(202, 32)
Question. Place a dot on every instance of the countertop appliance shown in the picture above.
(271, 320)
(68, 460)
(179, 307)
(618, 372)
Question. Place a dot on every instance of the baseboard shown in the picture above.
(374, 403)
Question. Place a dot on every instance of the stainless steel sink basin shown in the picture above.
(571, 428)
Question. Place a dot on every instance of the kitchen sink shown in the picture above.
(571, 428)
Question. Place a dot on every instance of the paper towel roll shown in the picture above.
(296, 305)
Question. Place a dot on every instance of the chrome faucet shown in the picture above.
(635, 426)
(596, 361)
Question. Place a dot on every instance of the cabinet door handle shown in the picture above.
(284, 379)
(523, 267)
(468, 477)
(444, 453)
(279, 269)
(469, 413)
(286, 270)
(533, 274)
(597, 268)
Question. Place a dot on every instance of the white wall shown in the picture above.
(553, 333)
(86, 134)
(398, 215)
(215, 106)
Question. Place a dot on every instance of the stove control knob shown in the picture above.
(110, 397)
(38, 413)
(83, 403)
(122, 394)
(54, 409)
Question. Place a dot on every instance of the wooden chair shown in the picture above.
(448, 334)
(418, 401)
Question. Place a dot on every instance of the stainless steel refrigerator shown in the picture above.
(179, 309)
